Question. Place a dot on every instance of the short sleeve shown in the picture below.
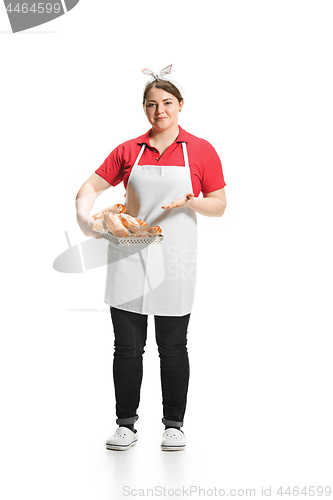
(213, 178)
(111, 169)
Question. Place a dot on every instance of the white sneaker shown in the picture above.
(173, 440)
(122, 439)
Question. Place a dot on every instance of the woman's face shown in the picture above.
(162, 109)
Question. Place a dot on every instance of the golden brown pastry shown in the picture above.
(118, 208)
(154, 230)
(135, 229)
(98, 215)
(115, 225)
(99, 226)
(141, 222)
(128, 220)
(142, 234)
(114, 220)
(115, 209)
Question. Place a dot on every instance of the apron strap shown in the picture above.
(185, 155)
(139, 155)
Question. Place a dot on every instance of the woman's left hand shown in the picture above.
(180, 202)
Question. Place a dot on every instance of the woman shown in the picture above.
(164, 172)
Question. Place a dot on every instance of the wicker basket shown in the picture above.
(129, 241)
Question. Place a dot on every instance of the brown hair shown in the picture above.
(164, 85)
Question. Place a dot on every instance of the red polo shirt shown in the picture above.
(205, 164)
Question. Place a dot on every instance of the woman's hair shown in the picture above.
(164, 85)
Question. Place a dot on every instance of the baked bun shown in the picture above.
(115, 225)
(154, 230)
(142, 234)
(99, 226)
(115, 209)
(128, 220)
(141, 222)
(118, 208)
(98, 215)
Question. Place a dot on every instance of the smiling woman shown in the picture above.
(164, 172)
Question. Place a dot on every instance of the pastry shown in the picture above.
(114, 220)
(128, 220)
(142, 234)
(141, 222)
(154, 230)
(118, 208)
(98, 215)
(135, 229)
(99, 226)
(115, 225)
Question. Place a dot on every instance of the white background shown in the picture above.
(257, 79)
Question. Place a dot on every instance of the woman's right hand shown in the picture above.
(85, 200)
(85, 222)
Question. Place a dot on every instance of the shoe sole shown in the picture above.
(114, 447)
(172, 448)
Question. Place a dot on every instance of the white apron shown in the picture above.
(160, 278)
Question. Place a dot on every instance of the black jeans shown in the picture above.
(130, 331)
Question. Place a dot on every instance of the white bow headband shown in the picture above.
(164, 71)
